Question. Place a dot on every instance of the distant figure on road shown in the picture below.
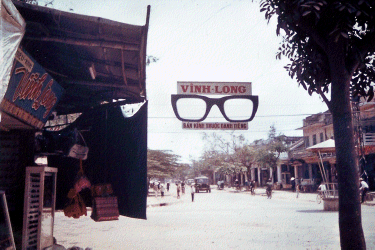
(156, 190)
(252, 187)
(297, 183)
(363, 188)
(293, 182)
(168, 186)
(162, 189)
(178, 191)
(269, 191)
(192, 191)
(183, 187)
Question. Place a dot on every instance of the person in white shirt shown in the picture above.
(192, 191)
(363, 188)
(322, 187)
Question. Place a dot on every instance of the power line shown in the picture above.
(260, 116)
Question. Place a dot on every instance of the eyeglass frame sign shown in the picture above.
(214, 101)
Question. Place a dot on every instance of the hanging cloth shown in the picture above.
(76, 207)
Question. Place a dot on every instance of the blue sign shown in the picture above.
(32, 93)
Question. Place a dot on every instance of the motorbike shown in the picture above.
(220, 185)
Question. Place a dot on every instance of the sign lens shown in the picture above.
(191, 108)
(238, 109)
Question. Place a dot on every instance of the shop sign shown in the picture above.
(215, 125)
(192, 105)
(32, 93)
(214, 88)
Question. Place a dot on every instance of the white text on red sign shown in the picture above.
(215, 125)
(214, 88)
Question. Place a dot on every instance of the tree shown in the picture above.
(269, 153)
(222, 153)
(332, 44)
(162, 164)
(246, 155)
(151, 59)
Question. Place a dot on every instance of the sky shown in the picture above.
(213, 41)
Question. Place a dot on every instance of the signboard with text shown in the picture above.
(192, 105)
(214, 88)
(32, 93)
(215, 125)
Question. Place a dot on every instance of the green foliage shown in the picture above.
(163, 164)
(223, 153)
(151, 59)
(332, 44)
(268, 154)
(234, 155)
(313, 28)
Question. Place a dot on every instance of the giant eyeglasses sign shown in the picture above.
(236, 104)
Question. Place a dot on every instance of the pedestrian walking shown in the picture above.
(183, 187)
(156, 190)
(178, 191)
(168, 186)
(192, 191)
(293, 182)
(363, 188)
(297, 186)
(162, 189)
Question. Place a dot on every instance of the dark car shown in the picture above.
(202, 184)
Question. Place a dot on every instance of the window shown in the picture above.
(307, 142)
(314, 139)
(321, 137)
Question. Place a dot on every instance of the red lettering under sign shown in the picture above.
(30, 87)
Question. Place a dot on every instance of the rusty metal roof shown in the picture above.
(95, 60)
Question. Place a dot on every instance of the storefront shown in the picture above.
(100, 66)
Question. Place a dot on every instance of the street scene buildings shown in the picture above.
(312, 158)
(76, 169)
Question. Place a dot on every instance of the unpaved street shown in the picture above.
(223, 219)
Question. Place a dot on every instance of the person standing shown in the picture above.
(178, 191)
(192, 191)
(363, 188)
(168, 186)
(162, 189)
(293, 182)
(297, 186)
(183, 187)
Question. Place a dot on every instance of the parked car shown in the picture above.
(202, 183)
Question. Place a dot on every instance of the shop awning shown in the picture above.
(324, 147)
(97, 61)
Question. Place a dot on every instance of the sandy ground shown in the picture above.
(181, 224)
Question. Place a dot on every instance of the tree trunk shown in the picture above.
(350, 222)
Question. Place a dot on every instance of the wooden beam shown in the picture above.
(123, 67)
(98, 84)
(143, 54)
(83, 42)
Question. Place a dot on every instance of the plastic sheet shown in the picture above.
(12, 29)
